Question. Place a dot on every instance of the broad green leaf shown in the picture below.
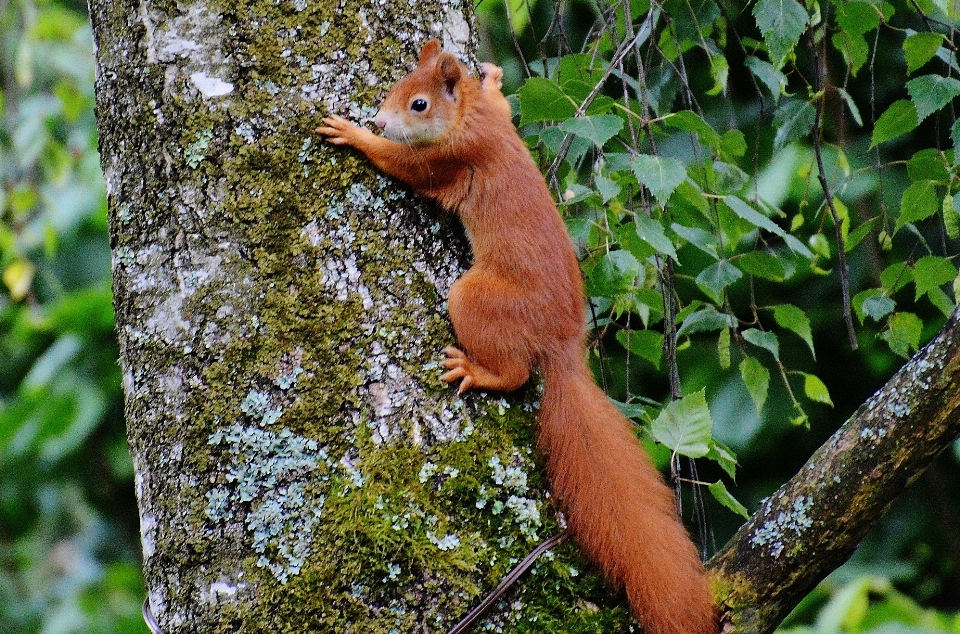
(762, 264)
(658, 174)
(706, 319)
(543, 100)
(903, 333)
(651, 232)
(853, 47)
(796, 321)
(615, 272)
(646, 344)
(598, 129)
(918, 202)
(930, 273)
(719, 491)
(896, 276)
(877, 307)
(757, 379)
(793, 120)
(929, 93)
(716, 277)
(900, 118)
(928, 164)
(857, 17)
(723, 456)
(608, 188)
(781, 22)
(684, 426)
(919, 48)
(774, 80)
(766, 340)
(815, 389)
(733, 143)
(756, 218)
(689, 121)
(700, 238)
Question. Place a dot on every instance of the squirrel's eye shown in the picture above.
(418, 105)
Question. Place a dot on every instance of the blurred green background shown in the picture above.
(69, 542)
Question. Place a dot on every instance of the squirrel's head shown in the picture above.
(424, 106)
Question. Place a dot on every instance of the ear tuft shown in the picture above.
(429, 52)
(449, 71)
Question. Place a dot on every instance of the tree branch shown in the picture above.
(816, 520)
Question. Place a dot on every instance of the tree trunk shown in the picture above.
(280, 310)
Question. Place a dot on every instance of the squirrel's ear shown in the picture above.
(429, 52)
(449, 71)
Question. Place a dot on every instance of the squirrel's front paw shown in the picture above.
(339, 131)
(458, 368)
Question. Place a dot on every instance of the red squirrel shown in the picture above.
(520, 306)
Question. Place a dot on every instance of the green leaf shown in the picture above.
(815, 389)
(646, 344)
(857, 18)
(930, 273)
(781, 22)
(796, 321)
(716, 277)
(689, 121)
(733, 143)
(704, 320)
(614, 273)
(877, 307)
(757, 219)
(919, 48)
(684, 426)
(700, 238)
(900, 118)
(928, 164)
(543, 100)
(757, 379)
(903, 333)
(766, 340)
(651, 232)
(918, 202)
(774, 80)
(719, 491)
(793, 120)
(723, 456)
(598, 129)
(660, 175)
(929, 93)
(608, 188)
(762, 264)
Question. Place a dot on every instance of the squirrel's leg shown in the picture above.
(488, 320)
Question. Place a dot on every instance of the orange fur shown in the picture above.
(521, 306)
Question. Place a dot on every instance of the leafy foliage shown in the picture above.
(68, 549)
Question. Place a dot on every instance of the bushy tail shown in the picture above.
(617, 505)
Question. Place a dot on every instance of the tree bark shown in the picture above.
(814, 522)
(280, 311)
